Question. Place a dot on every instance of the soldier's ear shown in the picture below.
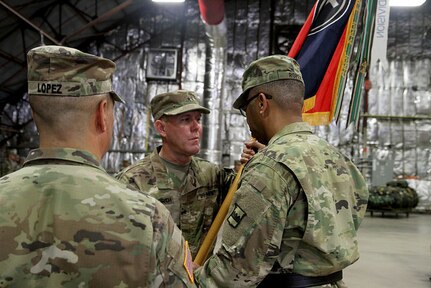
(101, 116)
(160, 126)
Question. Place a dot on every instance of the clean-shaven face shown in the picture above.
(183, 133)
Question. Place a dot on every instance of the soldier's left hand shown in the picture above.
(251, 147)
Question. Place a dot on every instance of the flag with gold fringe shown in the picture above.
(323, 49)
(361, 61)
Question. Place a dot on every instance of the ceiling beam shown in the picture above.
(12, 58)
(97, 20)
(29, 23)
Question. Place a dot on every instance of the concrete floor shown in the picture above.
(395, 252)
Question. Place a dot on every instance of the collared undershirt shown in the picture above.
(176, 172)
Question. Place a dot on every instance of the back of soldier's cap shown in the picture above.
(60, 71)
(265, 70)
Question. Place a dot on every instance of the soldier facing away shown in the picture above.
(190, 187)
(64, 222)
(293, 221)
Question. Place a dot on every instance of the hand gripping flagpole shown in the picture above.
(215, 226)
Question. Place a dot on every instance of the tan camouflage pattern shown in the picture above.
(64, 222)
(299, 204)
(176, 102)
(265, 70)
(193, 206)
(67, 72)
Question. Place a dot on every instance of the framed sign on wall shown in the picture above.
(162, 64)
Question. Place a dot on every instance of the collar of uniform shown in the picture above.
(160, 172)
(298, 127)
(64, 154)
(164, 182)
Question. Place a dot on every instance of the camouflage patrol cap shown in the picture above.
(265, 70)
(174, 103)
(67, 72)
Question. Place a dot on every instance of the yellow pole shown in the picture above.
(215, 226)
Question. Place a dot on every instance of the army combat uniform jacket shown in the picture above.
(64, 222)
(298, 207)
(194, 205)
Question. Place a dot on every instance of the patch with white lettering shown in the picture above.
(236, 216)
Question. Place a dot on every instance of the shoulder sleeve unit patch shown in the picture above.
(236, 216)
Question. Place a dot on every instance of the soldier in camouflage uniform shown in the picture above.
(190, 187)
(64, 222)
(293, 221)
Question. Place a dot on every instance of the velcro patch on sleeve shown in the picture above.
(248, 209)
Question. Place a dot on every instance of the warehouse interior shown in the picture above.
(159, 47)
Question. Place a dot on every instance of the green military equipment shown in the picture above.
(394, 196)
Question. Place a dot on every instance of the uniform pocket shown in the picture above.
(248, 210)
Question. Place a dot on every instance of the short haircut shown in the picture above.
(284, 92)
(60, 114)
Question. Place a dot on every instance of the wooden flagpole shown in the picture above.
(215, 226)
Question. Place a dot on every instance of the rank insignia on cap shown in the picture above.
(236, 216)
(188, 262)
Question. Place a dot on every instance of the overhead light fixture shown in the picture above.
(169, 1)
(406, 3)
